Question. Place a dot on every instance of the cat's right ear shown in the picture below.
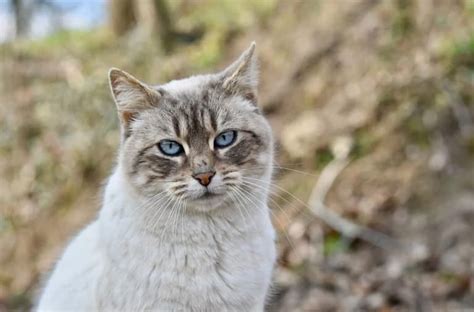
(131, 95)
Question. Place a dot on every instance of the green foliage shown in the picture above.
(208, 53)
(334, 243)
(220, 19)
(222, 15)
(5, 224)
(72, 42)
(417, 132)
(364, 142)
(322, 158)
(462, 52)
(402, 24)
(469, 4)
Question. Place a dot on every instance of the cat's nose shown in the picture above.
(205, 177)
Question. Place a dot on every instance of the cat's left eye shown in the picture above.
(225, 139)
(170, 148)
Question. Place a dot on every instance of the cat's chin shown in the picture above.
(208, 202)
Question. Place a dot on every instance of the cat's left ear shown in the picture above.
(241, 77)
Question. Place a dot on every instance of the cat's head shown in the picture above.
(201, 139)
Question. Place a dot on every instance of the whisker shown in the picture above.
(274, 217)
(177, 194)
(272, 200)
(182, 220)
(180, 216)
(242, 196)
(152, 203)
(237, 201)
(163, 210)
(278, 187)
(281, 168)
(300, 201)
(172, 217)
(229, 178)
(169, 213)
(271, 191)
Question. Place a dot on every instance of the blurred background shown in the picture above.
(371, 104)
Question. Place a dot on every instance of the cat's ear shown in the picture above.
(242, 76)
(131, 95)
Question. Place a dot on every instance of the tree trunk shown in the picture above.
(165, 29)
(122, 16)
(154, 19)
(22, 13)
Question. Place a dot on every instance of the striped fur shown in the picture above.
(193, 112)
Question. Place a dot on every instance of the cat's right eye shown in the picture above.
(170, 148)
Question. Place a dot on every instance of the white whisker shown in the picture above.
(241, 195)
(274, 216)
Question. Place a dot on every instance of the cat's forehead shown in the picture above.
(186, 111)
(188, 84)
(198, 107)
(184, 93)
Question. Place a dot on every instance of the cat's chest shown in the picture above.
(195, 269)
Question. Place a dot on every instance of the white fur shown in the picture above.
(216, 261)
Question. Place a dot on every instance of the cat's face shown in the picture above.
(200, 140)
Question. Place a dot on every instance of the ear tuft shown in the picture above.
(242, 75)
(131, 95)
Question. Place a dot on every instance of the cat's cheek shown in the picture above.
(264, 159)
(140, 180)
(145, 185)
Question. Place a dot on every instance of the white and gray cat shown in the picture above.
(184, 224)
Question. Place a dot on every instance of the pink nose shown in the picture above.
(204, 178)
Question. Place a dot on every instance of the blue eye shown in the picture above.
(170, 148)
(225, 139)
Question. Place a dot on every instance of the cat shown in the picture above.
(184, 224)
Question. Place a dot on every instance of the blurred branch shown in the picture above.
(345, 227)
